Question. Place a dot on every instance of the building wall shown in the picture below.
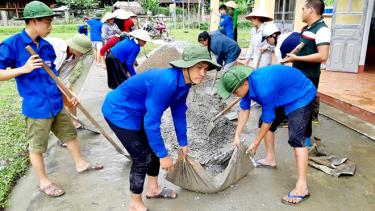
(269, 6)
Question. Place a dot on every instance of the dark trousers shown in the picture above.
(144, 160)
(316, 102)
(299, 125)
(116, 71)
(235, 34)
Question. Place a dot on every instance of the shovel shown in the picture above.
(83, 125)
(211, 124)
(213, 83)
(68, 93)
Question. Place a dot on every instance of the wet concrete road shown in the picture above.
(260, 190)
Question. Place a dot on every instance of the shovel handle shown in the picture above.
(229, 106)
(69, 94)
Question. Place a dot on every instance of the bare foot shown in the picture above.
(133, 206)
(264, 161)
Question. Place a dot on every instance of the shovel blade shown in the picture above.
(210, 127)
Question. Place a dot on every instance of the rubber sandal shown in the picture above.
(164, 194)
(295, 196)
(52, 190)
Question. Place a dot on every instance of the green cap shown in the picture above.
(232, 80)
(36, 9)
(80, 43)
(192, 55)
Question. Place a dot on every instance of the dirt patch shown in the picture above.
(161, 56)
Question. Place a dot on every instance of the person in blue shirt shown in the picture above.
(120, 58)
(95, 26)
(226, 22)
(82, 29)
(134, 111)
(42, 102)
(273, 87)
(225, 49)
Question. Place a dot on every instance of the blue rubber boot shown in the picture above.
(308, 142)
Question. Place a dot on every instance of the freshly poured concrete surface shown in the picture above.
(262, 189)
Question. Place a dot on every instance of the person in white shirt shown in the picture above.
(258, 17)
(68, 54)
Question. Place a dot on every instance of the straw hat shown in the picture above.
(141, 34)
(107, 16)
(259, 13)
(231, 4)
(131, 14)
(121, 14)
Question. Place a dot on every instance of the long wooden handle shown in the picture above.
(68, 93)
(229, 106)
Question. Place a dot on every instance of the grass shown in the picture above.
(13, 153)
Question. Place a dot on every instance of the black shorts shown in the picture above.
(279, 118)
(298, 121)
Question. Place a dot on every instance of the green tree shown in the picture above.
(81, 4)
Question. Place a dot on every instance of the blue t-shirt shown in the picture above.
(41, 97)
(95, 30)
(126, 51)
(278, 86)
(227, 24)
(144, 98)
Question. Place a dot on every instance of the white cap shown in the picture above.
(259, 13)
(141, 34)
(107, 16)
(269, 29)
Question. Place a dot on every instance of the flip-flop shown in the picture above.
(51, 190)
(261, 165)
(164, 194)
(295, 196)
(92, 167)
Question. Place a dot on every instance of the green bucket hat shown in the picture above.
(80, 43)
(232, 80)
(36, 9)
(192, 55)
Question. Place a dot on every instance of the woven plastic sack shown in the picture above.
(190, 175)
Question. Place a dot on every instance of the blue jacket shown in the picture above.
(226, 23)
(278, 86)
(41, 97)
(142, 99)
(127, 51)
(225, 49)
(95, 29)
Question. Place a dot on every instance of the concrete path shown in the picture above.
(260, 190)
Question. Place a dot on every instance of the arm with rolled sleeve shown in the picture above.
(130, 60)
(179, 119)
(156, 105)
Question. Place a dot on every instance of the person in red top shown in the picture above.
(129, 23)
(110, 43)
